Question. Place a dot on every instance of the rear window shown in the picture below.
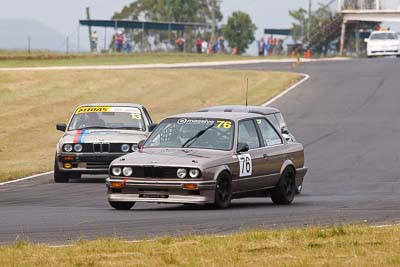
(384, 36)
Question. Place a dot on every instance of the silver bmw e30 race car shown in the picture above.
(96, 135)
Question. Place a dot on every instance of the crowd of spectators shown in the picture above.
(273, 46)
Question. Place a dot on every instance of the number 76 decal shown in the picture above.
(245, 164)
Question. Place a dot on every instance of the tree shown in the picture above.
(239, 31)
(299, 27)
(190, 11)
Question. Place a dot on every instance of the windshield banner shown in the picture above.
(107, 109)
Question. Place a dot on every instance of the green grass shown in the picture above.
(33, 102)
(41, 59)
(354, 245)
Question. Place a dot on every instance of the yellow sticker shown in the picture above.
(91, 110)
(136, 116)
(225, 124)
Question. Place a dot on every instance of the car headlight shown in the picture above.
(134, 147)
(194, 173)
(78, 147)
(116, 171)
(125, 148)
(68, 148)
(127, 171)
(181, 173)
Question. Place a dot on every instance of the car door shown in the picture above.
(274, 151)
(251, 163)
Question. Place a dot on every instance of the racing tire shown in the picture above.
(59, 176)
(284, 192)
(223, 191)
(121, 205)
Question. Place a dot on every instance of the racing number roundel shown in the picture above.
(245, 164)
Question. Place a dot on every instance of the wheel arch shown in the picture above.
(288, 164)
(221, 169)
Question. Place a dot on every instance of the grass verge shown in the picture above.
(354, 245)
(42, 59)
(33, 102)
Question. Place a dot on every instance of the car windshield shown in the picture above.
(384, 36)
(202, 133)
(128, 118)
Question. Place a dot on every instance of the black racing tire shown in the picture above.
(284, 192)
(59, 176)
(223, 191)
(121, 205)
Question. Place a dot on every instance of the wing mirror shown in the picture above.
(284, 130)
(140, 145)
(242, 147)
(152, 126)
(61, 127)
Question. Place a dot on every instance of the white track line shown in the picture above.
(385, 225)
(306, 77)
(26, 178)
(164, 66)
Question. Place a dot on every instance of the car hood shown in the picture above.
(201, 158)
(105, 136)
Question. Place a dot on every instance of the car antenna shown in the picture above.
(247, 91)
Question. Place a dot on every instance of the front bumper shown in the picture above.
(383, 52)
(160, 191)
(87, 163)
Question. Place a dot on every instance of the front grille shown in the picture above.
(154, 172)
(101, 148)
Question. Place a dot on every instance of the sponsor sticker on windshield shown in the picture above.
(195, 121)
(132, 110)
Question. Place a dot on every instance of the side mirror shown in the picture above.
(61, 127)
(284, 130)
(242, 147)
(366, 40)
(140, 145)
(152, 126)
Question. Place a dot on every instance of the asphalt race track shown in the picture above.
(347, 116)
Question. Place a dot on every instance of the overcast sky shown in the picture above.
(63, 15)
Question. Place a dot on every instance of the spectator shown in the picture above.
(215, 45)
(199, 43)
(93, 42)
(275, 46)
(119, 41)
(211, 45)
(270, 45)
(204, 46)
(261, 46)
(128, 47)
(180, 42)
(221, 43)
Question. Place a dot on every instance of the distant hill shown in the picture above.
(14, 35)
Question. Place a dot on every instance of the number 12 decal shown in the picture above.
(246, 167)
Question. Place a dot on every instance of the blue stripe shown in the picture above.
(82, 137)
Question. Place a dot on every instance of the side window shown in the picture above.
(281, 121)
(273, 120)
(248, 134)
(270, 137)
(147, 115)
